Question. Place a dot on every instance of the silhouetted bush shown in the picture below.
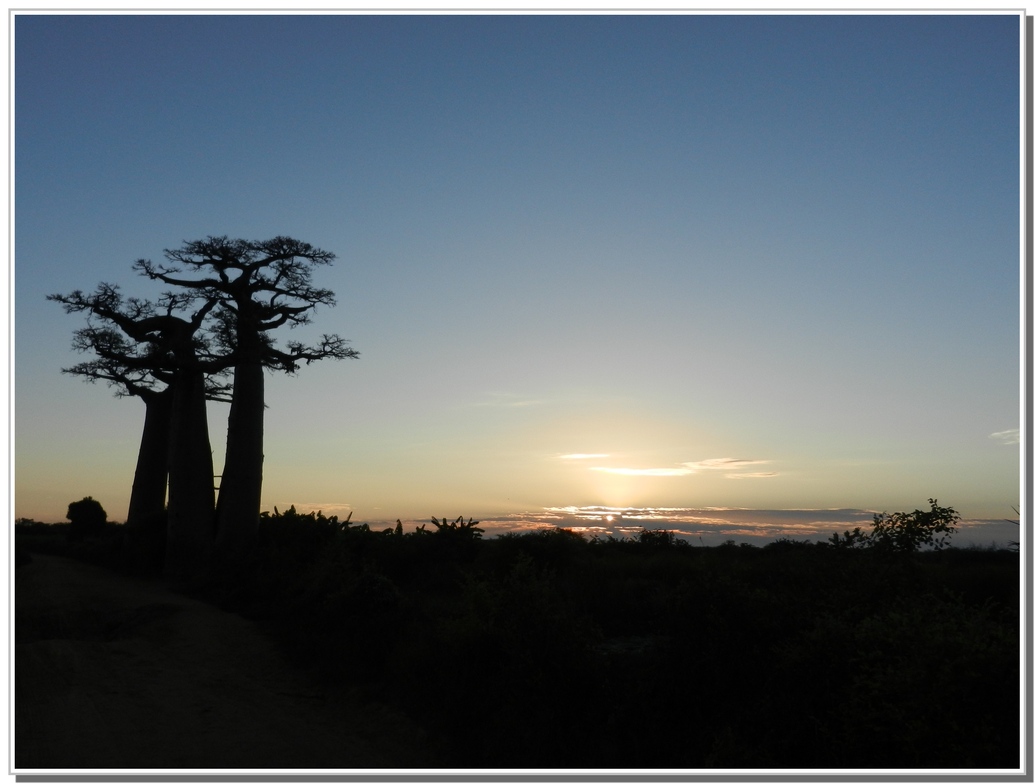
(657, 539)
(904, 532)
(87, 518)
(297, 539)
(457, 528)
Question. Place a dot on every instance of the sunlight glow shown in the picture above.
(644, 471)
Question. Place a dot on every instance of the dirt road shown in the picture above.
(112, 672)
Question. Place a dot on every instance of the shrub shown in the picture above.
(905, 532)
(459, 527)
(296, 537)
(87, 518)
(908, 531)
(851, 539)
(656, 540)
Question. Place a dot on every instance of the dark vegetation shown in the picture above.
(547, 649)
(86, 518)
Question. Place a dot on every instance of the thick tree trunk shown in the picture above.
(240, 487)
(145, 523)
(151, 478)
(191, 488)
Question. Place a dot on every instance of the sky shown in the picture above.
(762, 272)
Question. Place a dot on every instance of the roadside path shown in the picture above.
(114, 672)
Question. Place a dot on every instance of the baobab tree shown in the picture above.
(259, 287)
(163, 358)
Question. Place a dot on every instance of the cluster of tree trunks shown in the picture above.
(175, 354)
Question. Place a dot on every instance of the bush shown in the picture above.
(657, 539)
(87, 518)
(905, 532)
(459, 528)
(908, 531)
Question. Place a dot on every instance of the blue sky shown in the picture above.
(787, 240)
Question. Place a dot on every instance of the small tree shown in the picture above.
(909, 531)
(87, 518)
(905, 532)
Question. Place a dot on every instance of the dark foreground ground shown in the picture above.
(534, 651)
(116, 672)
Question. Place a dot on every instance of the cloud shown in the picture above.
(580, 456)
(1007, 436)
(759, 475)
(716, 524)
(722, 464)
(685, 469)
(644, 471)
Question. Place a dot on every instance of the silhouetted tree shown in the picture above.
(87, 517)
(260, 286)
(904, 532)
(164, 361)
(909, 531)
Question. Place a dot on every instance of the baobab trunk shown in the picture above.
(151, 478)
(145, 523)
(191, 489)
(240, 487)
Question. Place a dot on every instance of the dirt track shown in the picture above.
(112, 672)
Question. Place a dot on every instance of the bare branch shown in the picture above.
(329, 347)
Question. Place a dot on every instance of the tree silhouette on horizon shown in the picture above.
(170, 354)
(259, 286)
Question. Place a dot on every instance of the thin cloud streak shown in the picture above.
(711, 464)
(708, 525)
(712, 525)
(1007, 437)
(722, 463)
(581, 456)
